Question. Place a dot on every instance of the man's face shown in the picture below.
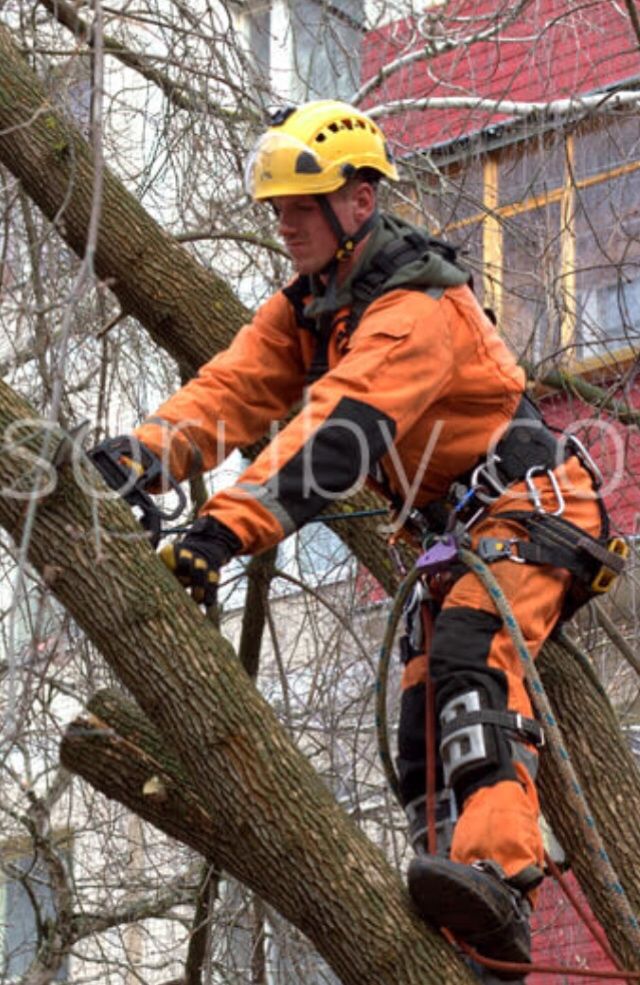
(308, 237)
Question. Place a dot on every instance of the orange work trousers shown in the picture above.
(498, 817)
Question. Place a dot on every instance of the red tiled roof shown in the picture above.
(614, 447)
(560, 938)
(553, 51)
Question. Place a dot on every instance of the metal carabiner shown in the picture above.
(482, 476)
(534, 494)
(586, 460)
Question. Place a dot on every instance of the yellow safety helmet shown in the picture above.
(314, 149)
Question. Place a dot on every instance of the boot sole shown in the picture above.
(447, 897)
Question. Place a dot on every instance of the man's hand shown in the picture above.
(197, 557)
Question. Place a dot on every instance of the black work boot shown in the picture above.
(477, 904)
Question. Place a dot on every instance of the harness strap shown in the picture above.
(320, 361)
(553, 535)
(522, 728)
(411, 246)
(407, 249)
(594, 562)
(296, 294)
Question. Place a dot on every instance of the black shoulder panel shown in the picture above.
(296, 294)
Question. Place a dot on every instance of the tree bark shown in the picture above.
(610, 779)
(275, 826)
(187, 310)
(115, 748)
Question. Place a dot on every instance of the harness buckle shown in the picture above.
(606, 575)
(534, 494)
(492, 549)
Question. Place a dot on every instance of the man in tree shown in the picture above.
(405, 382)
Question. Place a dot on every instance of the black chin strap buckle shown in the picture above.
(346, 242)
(345, 249)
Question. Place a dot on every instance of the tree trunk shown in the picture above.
(610, 779)
(275, 826)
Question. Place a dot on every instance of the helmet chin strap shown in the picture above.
(346, 243)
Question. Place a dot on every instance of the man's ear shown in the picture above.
(365, 200)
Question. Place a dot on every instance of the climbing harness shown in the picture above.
(445, 551)
(409, 246)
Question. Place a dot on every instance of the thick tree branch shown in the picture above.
(590, 393)
(610, 780)
(554, 108)
(187, 310)
(275, 826)
(119, 752)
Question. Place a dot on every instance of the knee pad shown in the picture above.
(476, 745)
(470, 747)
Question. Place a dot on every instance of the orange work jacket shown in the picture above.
(420, 389)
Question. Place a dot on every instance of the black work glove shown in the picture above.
(197, 557)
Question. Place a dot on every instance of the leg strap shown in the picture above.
(470, 737)
(446, 816)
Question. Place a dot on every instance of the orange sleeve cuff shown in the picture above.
(171, 446)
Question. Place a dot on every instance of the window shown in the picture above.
(531, 169)
(607, 225)
(326, 45)
(532, 302)
(26, 900)
(609, 316)
(258, 27)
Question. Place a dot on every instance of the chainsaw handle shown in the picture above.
(154, 475)
(118, 477)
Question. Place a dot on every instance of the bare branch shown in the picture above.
(573, 106)
(177, 94)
